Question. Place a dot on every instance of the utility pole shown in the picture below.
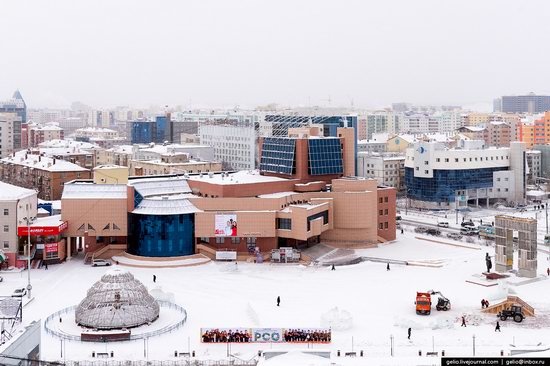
(29, 221)
(546, 207)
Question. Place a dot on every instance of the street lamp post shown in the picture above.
(29, 287)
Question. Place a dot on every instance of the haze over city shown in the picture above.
(246, 53)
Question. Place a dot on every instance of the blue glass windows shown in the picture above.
(325, 156)
(278, 155)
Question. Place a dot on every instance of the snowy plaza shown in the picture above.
(379, 304)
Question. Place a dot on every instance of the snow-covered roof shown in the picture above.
(50, 221)
(240, 177)
(160, 186)
(85, 190)
(67, 144)
(43, 163)
(126, 149)
(46, 128)
(473, 128)
(10, 192)
(95, 129)
(165, 205)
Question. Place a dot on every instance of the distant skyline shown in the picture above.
(226, 53)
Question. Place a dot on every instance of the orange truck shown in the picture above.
(423, 303)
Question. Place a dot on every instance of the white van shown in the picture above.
(443, 224)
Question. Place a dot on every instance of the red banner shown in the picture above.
(42, 230)
(51, 248)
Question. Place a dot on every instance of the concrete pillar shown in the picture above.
(69, 248)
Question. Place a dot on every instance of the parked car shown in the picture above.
(420, 229)
(468, 230)
(100, 262)
(454, 236)
(467, 223)
(434, 232)
(443, 224)
(398, 218)
(19, 292)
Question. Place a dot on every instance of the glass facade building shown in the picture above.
(278, 155)
(325, 157)
(444, 184)
(161, 235)
(143, 132)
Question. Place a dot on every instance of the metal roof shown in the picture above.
(166, 205)
(80, 190)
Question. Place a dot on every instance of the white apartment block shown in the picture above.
(388, 169)
(235, 142)
(419, 123)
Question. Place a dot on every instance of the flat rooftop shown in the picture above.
(240, 177)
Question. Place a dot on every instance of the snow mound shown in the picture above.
(230, 267)
(252, 315)
(160, 295)
(337, 319)
(297, 358)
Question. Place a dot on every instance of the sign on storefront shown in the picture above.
(226, 255)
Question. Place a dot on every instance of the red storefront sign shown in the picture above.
(42, 230)
(51, 248)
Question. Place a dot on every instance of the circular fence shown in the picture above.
(74, 337)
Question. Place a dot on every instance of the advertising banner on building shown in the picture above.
(225, 225)
(51, 248)
(42, 230)
(265, 335)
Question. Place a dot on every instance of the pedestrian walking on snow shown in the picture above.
(409, 333)
(388, 267)
(333, 268)
(497, 328)
(154, 278)
(278, 300)
(46, 266)
(463, 321)
(402, 231)
(482, 303)
(548, 271)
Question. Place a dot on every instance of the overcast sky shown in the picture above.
(293, 52)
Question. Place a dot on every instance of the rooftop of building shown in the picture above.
(159, 162)
(47, 221)
(48, 127)
(156, 186)
(166, 205)
(89, 190)
(239, 177)
(10, 192)
(42, 162)
(67, 144)
(170, 148)
(95, 129)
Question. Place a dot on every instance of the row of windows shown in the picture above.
(323, 214)
(383, 212)
(325, 157)
(383, 225)
(383, 199)
(278, 155)
(465, 159)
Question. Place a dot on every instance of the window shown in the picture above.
(284, 224)
(380, 200)
(386, 211)
(380, 212)
(505, 189)
(426, 171)
(220, 240)
(6, 228)
(446, 160)
(456, 160)
(6, 211)
(380, 225)
(438, 160)
(323, 214)
(235, 240)
(386, 225)
(386, 199)
(7, 245)
(251, 240)
(426, 162)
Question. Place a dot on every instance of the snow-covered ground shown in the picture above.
(380, 302)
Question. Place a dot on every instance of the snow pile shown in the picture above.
(252, 315)
(337, 319)
(160, 295)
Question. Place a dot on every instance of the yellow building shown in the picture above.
(110, 174)
(400, 143)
